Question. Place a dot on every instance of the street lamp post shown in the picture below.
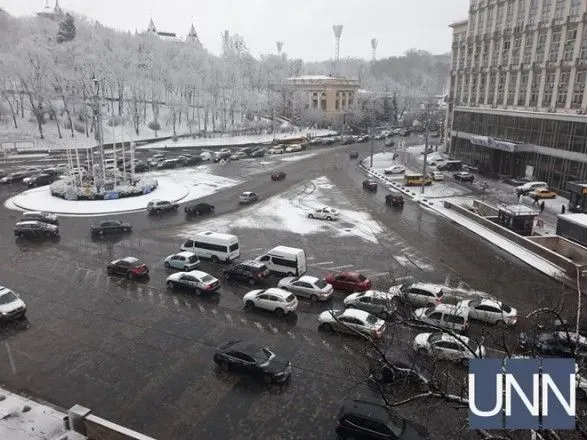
(99, 127)
(425, 150)
(372, 131)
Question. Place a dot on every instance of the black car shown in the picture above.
(35, 229)
(130, 267)
(251, 271)
(555, 343)
(463, 176)
(193, 160)
(40, 216)
(253, 359)
(141, 167)
(370, 185)
(354, 155)
(109, 227)
(396, 373)
(394, 199)
(40, 180)
(14, 177)
(168, 164)
(365, 420)
(199, 208)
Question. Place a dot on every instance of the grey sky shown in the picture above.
(305, 26)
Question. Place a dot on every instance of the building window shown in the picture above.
(548, 89)
(575, 9)
(535, 88)
(554, 46)
(559, 10)
(532, 16)
(512, 88)
(583, 53)
(474, 89)
(491, 88)
(485, 59)
(563, 89)
(500, 88)
(570, 44)
(528, 48)
(521, 13)
(499, 18)
(482, 88)
(546, 10)
(509, 16)
(314, 100)
(541, 47)
(578, 89)
(516, 51)
(523, 89)
(323, 101)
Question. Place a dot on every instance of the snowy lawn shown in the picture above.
(289, 212)
(176, 186)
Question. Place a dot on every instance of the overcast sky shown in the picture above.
(304, 26)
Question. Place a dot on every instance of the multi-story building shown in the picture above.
(517, 101)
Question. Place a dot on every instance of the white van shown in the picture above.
(213, 245)
(286, 260)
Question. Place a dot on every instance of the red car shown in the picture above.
(348, 281)
(278, 176)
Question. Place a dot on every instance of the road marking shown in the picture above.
(244, 321)
(380, 274)
(406, 278)
(310, 258)
(322, 263)
(253, 250)
(362, 270)
(340, 267)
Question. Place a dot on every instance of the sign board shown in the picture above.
(494, 144)
(111, 195)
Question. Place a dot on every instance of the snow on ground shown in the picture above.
(381, 161)
(294, 158)
(235, 140)
(289, 212)
(176, 186)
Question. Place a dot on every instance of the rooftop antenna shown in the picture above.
(279, 45)
(374, 48)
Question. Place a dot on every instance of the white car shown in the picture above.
(530, 186)
(206, 156)
(194, 280)
(273, 299)
(324, 213)
(293, 148)
(278, 149)
(444, 346)
(11, 306)
(418, 294)
(437, 161)
(351, 320)
(307, 286)
(378, 303)
(396, 169)
(184, 260)
(491, 311)
(437, 176)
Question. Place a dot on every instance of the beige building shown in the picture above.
(517, 101)
(329, 94)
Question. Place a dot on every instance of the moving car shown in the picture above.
(444, 346)
(41, 216)
(354, 155)
(38, 180)
(194, 280)
(248, 197)
(280, 175)
(257, 153)
(490, 311)
(464, 176)
(377, 303)
(543, 193)
(370, 185)
(396, 169)
(109, 227)
(253, 359)
(418, 294)
(251, 271)
(276, 300)
(316, 289)
(156, 206)
(437, 176)
(11, 306)
(348, 281)
(324, 213)
(239, 155)
(184, 260)
(416, 180)
(351, 321)
(530, 186)
(293, 148)
(277, 149)
(13, 177)
(394, 199)
(167, 164)
(130, 267)
(389, 143)
(360, 419)
(199, 208)
(35, 229)
(363, 139)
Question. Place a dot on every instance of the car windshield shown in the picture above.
(321, 284)
(435, 338)
(263, 356)
(505, 307)
(429, 311)
(7, 298)
(206, 278)
(372, 319)
(361, 278)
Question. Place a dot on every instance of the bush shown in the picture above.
(79, 127)
(155, 126)
(115, 121)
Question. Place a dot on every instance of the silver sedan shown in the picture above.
(316, 289)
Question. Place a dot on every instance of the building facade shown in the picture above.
(517, 101)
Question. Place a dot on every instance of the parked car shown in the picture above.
(156, 206)
(248, 197)
(354, 155)
(109, 227)
(130, 267)
(239, 155)
(446, 316)
(167, 164)
(13, 177)
(206, 156)
(257, 153)
(370, 185)
(363, 139)
(360, 419)
(11, 306)
(140, 167)
(490, 311)
(441, 345)
(251, 271)
(199, 208)
(313, 288)
(184, 260)
(351, 321)
(348, 281)
(436, 161)
(194, 280)
(418, 294)
(555, 343)
(389, 143)
(35, 229)
(463, 176)
(280, 175)
(276, 300)
(38, 180)
(543, 193)
(324, 213)
(277, 149)
(437, 176)
(235, 156)
(192, 160)
(530, 186)
(253, 359)
(41, 216)
(396, 169)
(394, 199)
(347, 140)
(377, 303)
(294, 148)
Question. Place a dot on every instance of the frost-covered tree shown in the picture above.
(67, 29)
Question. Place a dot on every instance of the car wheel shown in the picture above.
(500, 323)
(214, 259)
(167, 265)
(313, 298)
(170, 284)
(279, 312)
(157, 210)
(251, 281)
(329, 218)
(225, 366)
(47, 234)
(327, 327)
(310, 216)
(185, 269)
(267, 378)
(109, 271)
(124, 229)
(422, 351)
(249, 305)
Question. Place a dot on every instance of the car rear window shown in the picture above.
(361, 277)
(371, 319)
(321, 284)
(505, 308)
(137, 263)
(207, 278)
(290, 298)
(193, 259)
(233, 247)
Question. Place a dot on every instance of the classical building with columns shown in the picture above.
(517, 101)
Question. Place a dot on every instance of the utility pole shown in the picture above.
(372, 131)
(425, 150)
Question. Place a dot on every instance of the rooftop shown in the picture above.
(518, 209)
(578, 219)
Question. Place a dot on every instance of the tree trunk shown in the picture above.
(11, 108)
(120, 99)
(206, 119)
(21, 104)
(57, 124)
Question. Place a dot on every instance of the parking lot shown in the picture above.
(141, 354)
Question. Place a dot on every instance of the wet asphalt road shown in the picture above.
(141, 355)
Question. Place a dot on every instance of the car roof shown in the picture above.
(450, 308)
(130, 259)
(26, 213)
(450, 338)
(198, 273)
(361, 407)
(356, 313)
(185, 254)
(308, 279)
(28, 222)
(277, 291)
(252, 263)
(427, 286)
(377, 294)
(351, 273)
(247, 193)
(242, 346)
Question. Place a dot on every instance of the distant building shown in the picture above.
(329, 94)
(55, 13)
(191, 38)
